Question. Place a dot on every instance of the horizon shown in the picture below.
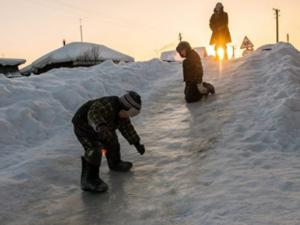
(45, 25)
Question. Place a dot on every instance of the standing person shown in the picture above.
(219, 25)
(195, 89)
(95, 125)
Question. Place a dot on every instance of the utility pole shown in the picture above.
(288, 38)
(277, 24)
(81, 36)
(180, 37)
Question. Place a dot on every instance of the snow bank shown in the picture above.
(271, 83)
(35, 109)
(255, 168)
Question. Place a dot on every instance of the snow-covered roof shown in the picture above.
(170, 56)
(11, 62)
(78, 51)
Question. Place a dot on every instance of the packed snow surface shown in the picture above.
(231, 159)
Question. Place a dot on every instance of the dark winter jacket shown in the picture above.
(219, 25)
(104, 111)
(192, 67)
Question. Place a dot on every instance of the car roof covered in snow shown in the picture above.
(11, 62)
(170, 56)
(201, 51)
(71, 52)
(173, 56)
(26, 70)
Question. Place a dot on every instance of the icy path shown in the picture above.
(164, 184)
(230, 159)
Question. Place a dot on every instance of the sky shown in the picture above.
(139, 28)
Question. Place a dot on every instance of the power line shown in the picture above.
(121, 23)
(46, 5)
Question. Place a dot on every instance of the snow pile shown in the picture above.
(232, 158)
(254, 173)
(35, 109)
(270, 83)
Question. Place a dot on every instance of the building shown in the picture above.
(10, 66)
(75, 54)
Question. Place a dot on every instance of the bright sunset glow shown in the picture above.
(220, 53)
(139, 28)
(230, 51)
(211, 50)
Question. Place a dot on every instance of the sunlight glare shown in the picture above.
(211, 50)
(220, 53)
(230, 53)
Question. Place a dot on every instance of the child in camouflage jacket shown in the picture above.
(95, 124)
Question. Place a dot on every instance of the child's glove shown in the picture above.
(140, 148)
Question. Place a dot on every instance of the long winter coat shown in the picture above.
(192, 76)
(219, 25)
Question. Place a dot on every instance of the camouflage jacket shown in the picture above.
(104, 111)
